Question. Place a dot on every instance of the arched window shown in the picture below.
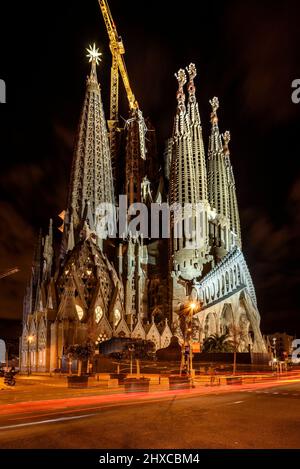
(117, 317)
(239, 274)
(231, 278)
(98, 314)
(79, 312)
(227, 281)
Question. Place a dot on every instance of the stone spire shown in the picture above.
(91, 178)
(48, 253)
(218, 194)
(185, 251)
(182, 174)
(217, 176)
(36, 275)
(233, 205)
(196, 136)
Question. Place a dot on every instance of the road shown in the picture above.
(265, 416)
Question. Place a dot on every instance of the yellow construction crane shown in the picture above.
(118, 66)
(9, 272)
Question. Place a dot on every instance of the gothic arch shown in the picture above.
(213, 291)
(210, 325)
(231, 279)
(226, 318)
(207, 294)
(223, 285)
(239, 277)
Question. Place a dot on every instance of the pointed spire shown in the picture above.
(217, 178)
(226, 139)
(184, 185)
(180, 95)
(36, 271)
(196, 136)
(182, 174)
(215, 138)
(180, 124)
(91, 178)
(48, 252)
(37, 259)
(233, 205)
(95, 57)
(192, 71)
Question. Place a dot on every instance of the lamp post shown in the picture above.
(187, 352)
(29, 341)
(131, 350)
(190, 336)
(275, 362)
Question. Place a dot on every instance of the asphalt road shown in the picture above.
(259, 418)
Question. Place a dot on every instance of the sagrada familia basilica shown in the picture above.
(98, 287)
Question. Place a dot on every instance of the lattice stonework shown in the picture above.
(91, 178)
(217, 174)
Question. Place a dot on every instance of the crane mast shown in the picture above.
(118, 66)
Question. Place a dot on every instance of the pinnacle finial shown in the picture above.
(181, 78)
(192, 71)
(226, 139)
(214, 102)
(94, 57)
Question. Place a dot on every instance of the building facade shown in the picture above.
(96, 286)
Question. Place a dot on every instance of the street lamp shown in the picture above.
(190, 331)
(29, 341)
(131, 350)
(187, 352)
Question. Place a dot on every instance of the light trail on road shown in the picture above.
(41, 422)
(33, 409)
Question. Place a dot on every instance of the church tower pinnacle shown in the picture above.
(196, 136)
(218, 184)
(91, 179)
(182, 177)
(188, 243)
(233, 205)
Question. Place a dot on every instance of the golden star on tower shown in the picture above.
(94, 54)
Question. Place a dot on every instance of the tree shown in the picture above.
(81, 352)
(218, 343)
(142, 349)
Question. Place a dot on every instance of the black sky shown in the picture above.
(246, 53)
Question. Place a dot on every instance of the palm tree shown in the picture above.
(218, 343)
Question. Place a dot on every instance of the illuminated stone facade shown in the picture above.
(94, 288)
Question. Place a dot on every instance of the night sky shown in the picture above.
(246, 53)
